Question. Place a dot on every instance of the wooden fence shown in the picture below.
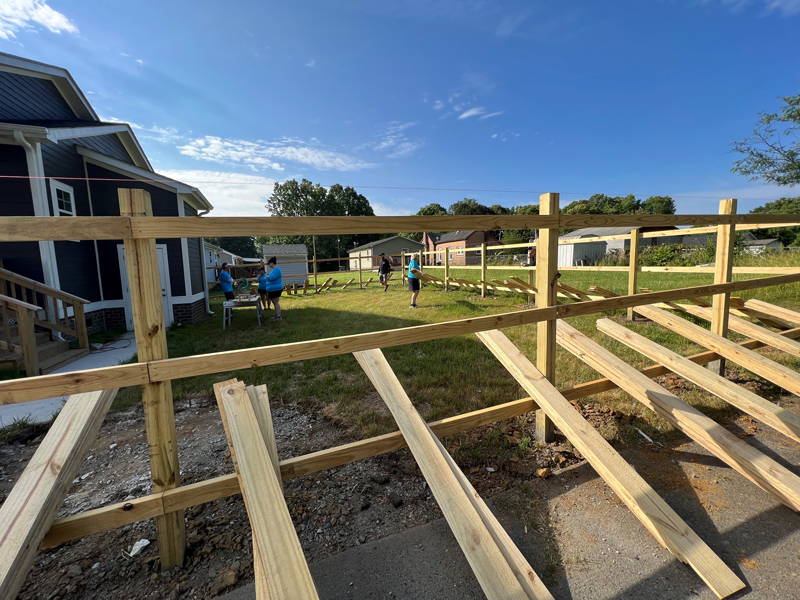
(34, 501)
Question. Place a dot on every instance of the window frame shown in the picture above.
(56, 185)
(459, 250)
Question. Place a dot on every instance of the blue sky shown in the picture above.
(578, 98)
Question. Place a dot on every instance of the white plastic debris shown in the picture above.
(112, 446)
(645, 436)
(139, 546)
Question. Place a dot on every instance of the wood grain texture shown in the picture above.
(547, 292)
(723, 272)
(633, 266)
(493, 573)
(655, 514)
(151, 344)
(774, 310)
(38, 229)
(34, 501)
(765, 411)
(285, 569)
(758, 364)
(758, 468)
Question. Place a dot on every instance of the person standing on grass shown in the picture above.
(262, 287)
(274, 287)
(226, 281)
(384, 269)
(413, 279)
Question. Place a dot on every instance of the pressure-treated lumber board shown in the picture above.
(20, 390)
(151, 344)
(765, 411)
(547, 286)
(598, 386)
(175, 368)
(758, 468)
(655, 514)
(285, 567)
(526, 576)
(770, 338)
(723, 272)
(493, 573)
(125, 513)
(352, 279)
(39, 229)
(34, 501)
(633, 267)
(760, 365)
(774, 310)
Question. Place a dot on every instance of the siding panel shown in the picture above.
(24, 98)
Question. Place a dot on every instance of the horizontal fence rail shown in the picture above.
(21, 229)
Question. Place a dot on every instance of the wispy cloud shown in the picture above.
(384, 210)
(16, 15)
(260, 155)
(504, 136)
(232, 194)
(438, 105)
(165, 135)
(786, 7)
(472, 112)
(490, 115)
(393, 140)
(509, 24)
(311, 64)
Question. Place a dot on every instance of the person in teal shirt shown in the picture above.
(274, 287)
(413, 279)
(262, 287)
(226, 281)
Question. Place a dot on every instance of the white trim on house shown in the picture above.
(55, 186)
(91, 214)
(187, 272)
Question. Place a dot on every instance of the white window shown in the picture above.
(450, 253)
(63, 199)
(460, 250)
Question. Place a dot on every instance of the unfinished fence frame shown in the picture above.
(155, 370)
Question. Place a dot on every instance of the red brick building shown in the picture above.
(462, 247)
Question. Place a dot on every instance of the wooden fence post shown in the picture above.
(483, 270)
(723, 273)
(546, 285)
(633, 272)
(151, 344)
(360, 281)
(403, 265)
(80, 325)
(446, 269)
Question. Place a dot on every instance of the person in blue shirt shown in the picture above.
(226, 281)
(262, 287)
(413, 279)
(274, 286)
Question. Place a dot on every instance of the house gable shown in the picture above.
(24, 98)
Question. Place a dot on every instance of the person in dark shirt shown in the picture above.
(384, 269)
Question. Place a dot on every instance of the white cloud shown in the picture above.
(509, 24)
(787, 7)
(260, 155)
(490, 115)
(494, 135)
(438, 105)
(139, 61)
(232, 194)
(472, 112)
(311, 64)
(395, 142)
(18, 15)
(384, 210)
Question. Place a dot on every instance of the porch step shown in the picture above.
(50, 349)
(62, 359)
(42, 337)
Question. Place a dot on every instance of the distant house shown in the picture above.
(59, 159)
(370, 254)
(290, 260)
(589, 253)
(757, 246)
(461, 247)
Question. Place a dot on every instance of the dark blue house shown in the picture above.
(49, 131)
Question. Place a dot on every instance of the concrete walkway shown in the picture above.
(41, 411)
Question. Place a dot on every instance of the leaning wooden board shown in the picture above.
(655, 514)
(757, 467)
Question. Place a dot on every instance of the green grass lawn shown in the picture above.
(442, 377)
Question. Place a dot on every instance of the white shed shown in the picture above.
(290, 257)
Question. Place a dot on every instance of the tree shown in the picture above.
(469, 206)
(243, 246)
(772, 151)
(659, 205)
(789, 236)
(432, 210)
(501, 210)
(306, 199)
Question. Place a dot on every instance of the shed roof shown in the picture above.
(454, 236)
(285, 249)
(603, 231)
(764, 242)
(384, 240)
